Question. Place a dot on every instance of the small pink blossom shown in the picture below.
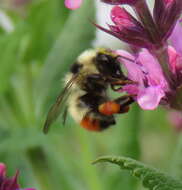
(73, 4)
(151, 84)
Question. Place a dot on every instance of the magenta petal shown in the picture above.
(133, 69)
(73, 4)
(2, 170)
(176, 38)
(130, 89)
(149, 98)
(121, 17)
(151, 65)
(153, 69)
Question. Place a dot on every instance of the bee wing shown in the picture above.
(65, 115)
(55, 109)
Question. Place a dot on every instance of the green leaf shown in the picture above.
(151, 178)
(76, 36)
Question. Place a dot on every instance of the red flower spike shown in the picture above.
(9, 183)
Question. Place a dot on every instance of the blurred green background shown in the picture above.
(43, 39)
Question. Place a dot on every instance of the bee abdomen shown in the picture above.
(96, 124)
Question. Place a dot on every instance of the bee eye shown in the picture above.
(104, 58)
(75, 68)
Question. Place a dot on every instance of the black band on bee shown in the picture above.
(92, 101)
(104, 124)
(95, 84)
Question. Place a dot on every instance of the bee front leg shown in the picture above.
(119, 105)
(116, 84)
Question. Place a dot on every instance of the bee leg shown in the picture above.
(124, 102)
(116, 84)
(119, 105)
(116, 87)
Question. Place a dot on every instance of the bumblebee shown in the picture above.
(86, 91)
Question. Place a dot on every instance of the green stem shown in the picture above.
(129, 144)
(176, 166)
(130, 133)
(40, 167)
(86, 157)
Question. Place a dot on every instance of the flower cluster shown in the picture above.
(155, 60)
(9, 183)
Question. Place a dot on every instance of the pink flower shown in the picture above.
(151, 84)
(9, 183)
(73, 4)
(156, 69)
(151, 87)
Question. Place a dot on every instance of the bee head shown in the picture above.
(107, 64)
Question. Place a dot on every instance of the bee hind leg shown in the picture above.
(124, 102)
(119, 105)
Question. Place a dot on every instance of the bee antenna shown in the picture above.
(126, 58)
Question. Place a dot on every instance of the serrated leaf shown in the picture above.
(152, 178)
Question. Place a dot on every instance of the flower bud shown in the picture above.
(73, 4)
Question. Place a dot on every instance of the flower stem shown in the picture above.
(129, 143)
